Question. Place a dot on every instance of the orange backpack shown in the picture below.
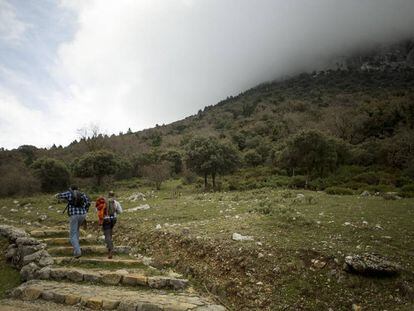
(100, 207)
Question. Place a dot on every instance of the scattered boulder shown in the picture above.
(356, 307)
(365, 194)
(370, 264)
(239, 237)
(318, 264)
(136, 196)
(139, 208)
(42, 217)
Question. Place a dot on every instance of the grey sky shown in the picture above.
(134, 63)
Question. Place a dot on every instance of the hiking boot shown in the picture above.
(109, 254)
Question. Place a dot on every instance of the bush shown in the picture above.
(381, 188)
(407, 191)
(369, 178)
(53, 174)
(318, 184)
(339, 191)
(298, 182)
(253, 158)
(189, 177)
(356, 185)
(278, 181)
(16, 179)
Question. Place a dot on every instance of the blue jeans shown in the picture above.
(75, 222)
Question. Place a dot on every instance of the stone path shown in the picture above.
(54, 279)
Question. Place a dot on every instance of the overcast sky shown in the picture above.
(134, 63)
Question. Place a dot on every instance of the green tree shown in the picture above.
(209, 156)
(311, 152)
(144, 159)
(175, 158)
(53, 174)
(96, 164)
(28, 152)
(253, 158)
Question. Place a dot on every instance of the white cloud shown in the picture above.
(11, 28)
(135, 63)
(146, 62)
(19, 124)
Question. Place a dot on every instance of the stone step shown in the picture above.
(111, 297)
(52, 232)
(118, 277)
(87, 249)
(96, 261)
(65, 241)
(35, 305)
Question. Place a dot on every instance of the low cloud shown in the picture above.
(137, 63)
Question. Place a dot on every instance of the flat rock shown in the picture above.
(370, 264)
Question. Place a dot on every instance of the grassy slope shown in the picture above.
(278, 273)
(9, 278)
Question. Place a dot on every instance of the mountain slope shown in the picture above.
(368, 104)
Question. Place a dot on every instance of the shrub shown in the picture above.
(381, 188)
(356, 185)
(189, 177)
(407, 191)
(318, 184)
(16, 179)
(252, 158)
(53, 174)
(278, 181)
(298, 182)
(369, 178)
(339, 191)
(157, 173)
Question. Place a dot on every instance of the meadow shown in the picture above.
(293, 258)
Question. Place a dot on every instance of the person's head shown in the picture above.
(73, 187)
(111, 194)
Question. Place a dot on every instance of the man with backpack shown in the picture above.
(77, 208)
(108, 208)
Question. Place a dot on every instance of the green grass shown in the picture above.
(292, 229)
(9, 277)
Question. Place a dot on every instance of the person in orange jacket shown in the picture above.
(107, 209)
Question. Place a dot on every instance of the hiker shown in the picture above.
(108, 208)
(77, 208)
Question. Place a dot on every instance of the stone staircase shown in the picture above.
(92, 281)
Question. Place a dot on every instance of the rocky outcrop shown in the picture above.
(370, 264)
(399, 55)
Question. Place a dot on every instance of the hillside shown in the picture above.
(264, 239)
(367, 104)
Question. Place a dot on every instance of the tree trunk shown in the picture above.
(213, 176)
(205, 181)
(99, 180)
